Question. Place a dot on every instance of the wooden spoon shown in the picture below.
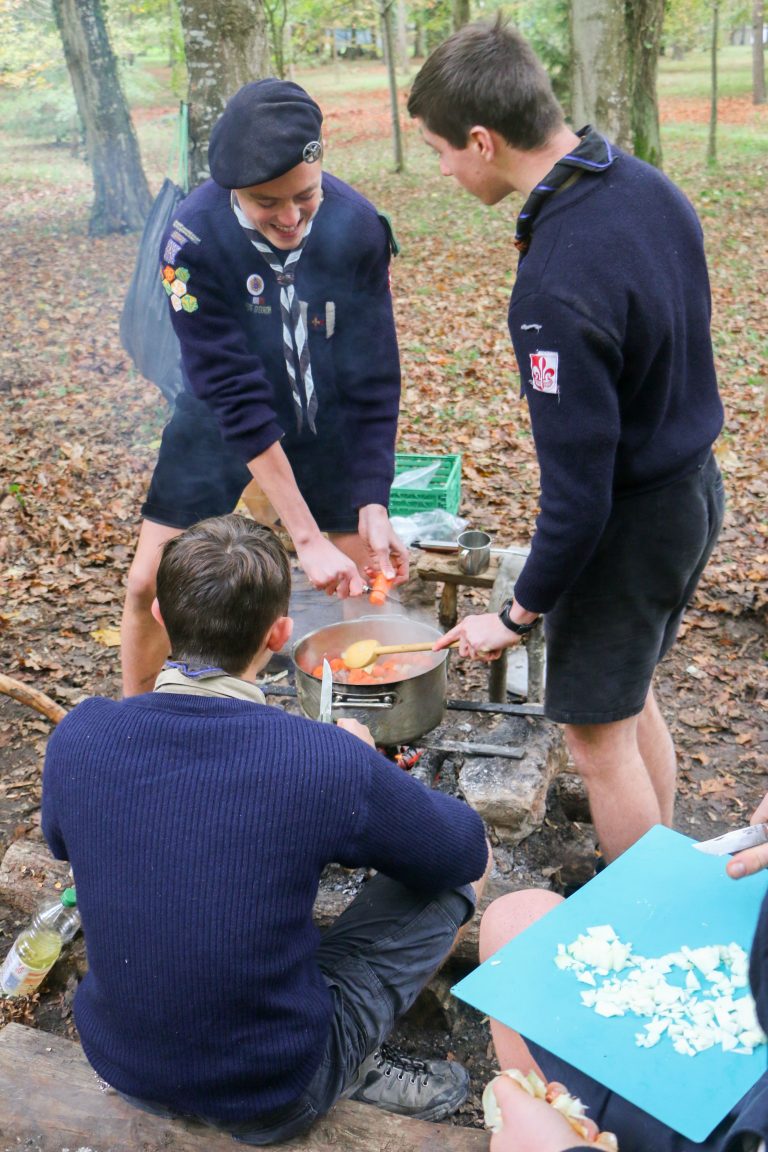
(364, 652)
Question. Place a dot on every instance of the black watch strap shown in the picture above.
(508, 622)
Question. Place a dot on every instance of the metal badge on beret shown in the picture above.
(263, 133)
(312, 152)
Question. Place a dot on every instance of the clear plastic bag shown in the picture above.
(432, 524)
(417, 477)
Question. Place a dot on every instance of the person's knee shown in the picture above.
(596, 749)
(141, 584)
(510, 915)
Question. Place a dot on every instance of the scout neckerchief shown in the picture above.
(179, 677)
(593, 154)
(294, 320)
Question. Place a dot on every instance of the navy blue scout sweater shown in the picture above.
(609, 318)
(230, 328)
(747, 1123)
(197, 830)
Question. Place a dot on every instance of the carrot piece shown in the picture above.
(318, 671)
(337, 664)
(379, 590)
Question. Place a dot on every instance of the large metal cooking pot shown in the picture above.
(395, 712)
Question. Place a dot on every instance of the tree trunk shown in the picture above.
(121, 195)
(600, 79)
(403, 61)
(712, 141)
(385, 12)
(276, 15)
(226, 46)
(644, 25)
(758, 52)
(460, 14)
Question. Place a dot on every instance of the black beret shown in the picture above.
(267, 128)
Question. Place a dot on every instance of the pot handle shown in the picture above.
(363, 701)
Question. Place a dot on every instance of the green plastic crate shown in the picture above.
(443, 491)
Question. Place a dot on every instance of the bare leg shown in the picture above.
(144, 644)
(629, 769)
(658, 753)
(621, 793)
(504, 919)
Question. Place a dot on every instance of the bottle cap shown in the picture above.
(69, 898)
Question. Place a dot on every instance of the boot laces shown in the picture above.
(392, 1059)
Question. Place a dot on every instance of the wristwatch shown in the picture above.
(508, 622)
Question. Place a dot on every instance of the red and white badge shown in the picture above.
(544, 371)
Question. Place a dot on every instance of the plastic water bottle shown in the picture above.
(37, 948)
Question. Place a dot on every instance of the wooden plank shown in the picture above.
(52, 1100)
(439, 568)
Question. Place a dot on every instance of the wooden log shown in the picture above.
(32, 698)
(503, 586)
(536, 648)
(28, 873)
(448, 612)
(51, 1099)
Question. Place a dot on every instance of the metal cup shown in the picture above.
(474, 552)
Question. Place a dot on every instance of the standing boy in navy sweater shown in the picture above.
(609, 319)
(197, 821)
(277, 277)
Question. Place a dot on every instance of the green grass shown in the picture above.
(31, 119)
(691, 76)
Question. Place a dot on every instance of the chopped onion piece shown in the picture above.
(708, 1008)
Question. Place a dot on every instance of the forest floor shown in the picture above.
(80, 431)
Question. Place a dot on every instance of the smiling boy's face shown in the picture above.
(282, 208)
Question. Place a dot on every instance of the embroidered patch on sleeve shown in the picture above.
(544, 371)
(172, 250)
(175, 283)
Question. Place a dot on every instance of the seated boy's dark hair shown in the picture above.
(486, 74)
(221, 585)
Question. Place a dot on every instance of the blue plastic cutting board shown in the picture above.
(660, 895)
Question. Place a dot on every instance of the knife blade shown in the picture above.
(326, 694)
(735, 841)
(368, 588)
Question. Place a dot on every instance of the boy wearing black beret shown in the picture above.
(277, 276)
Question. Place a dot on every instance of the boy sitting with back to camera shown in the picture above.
(198, 821)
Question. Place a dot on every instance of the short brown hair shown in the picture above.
(486, 74)
(221, 585)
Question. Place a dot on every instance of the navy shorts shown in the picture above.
(197, 475)
(375, 958)
(608, 632)
(636, 1130)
